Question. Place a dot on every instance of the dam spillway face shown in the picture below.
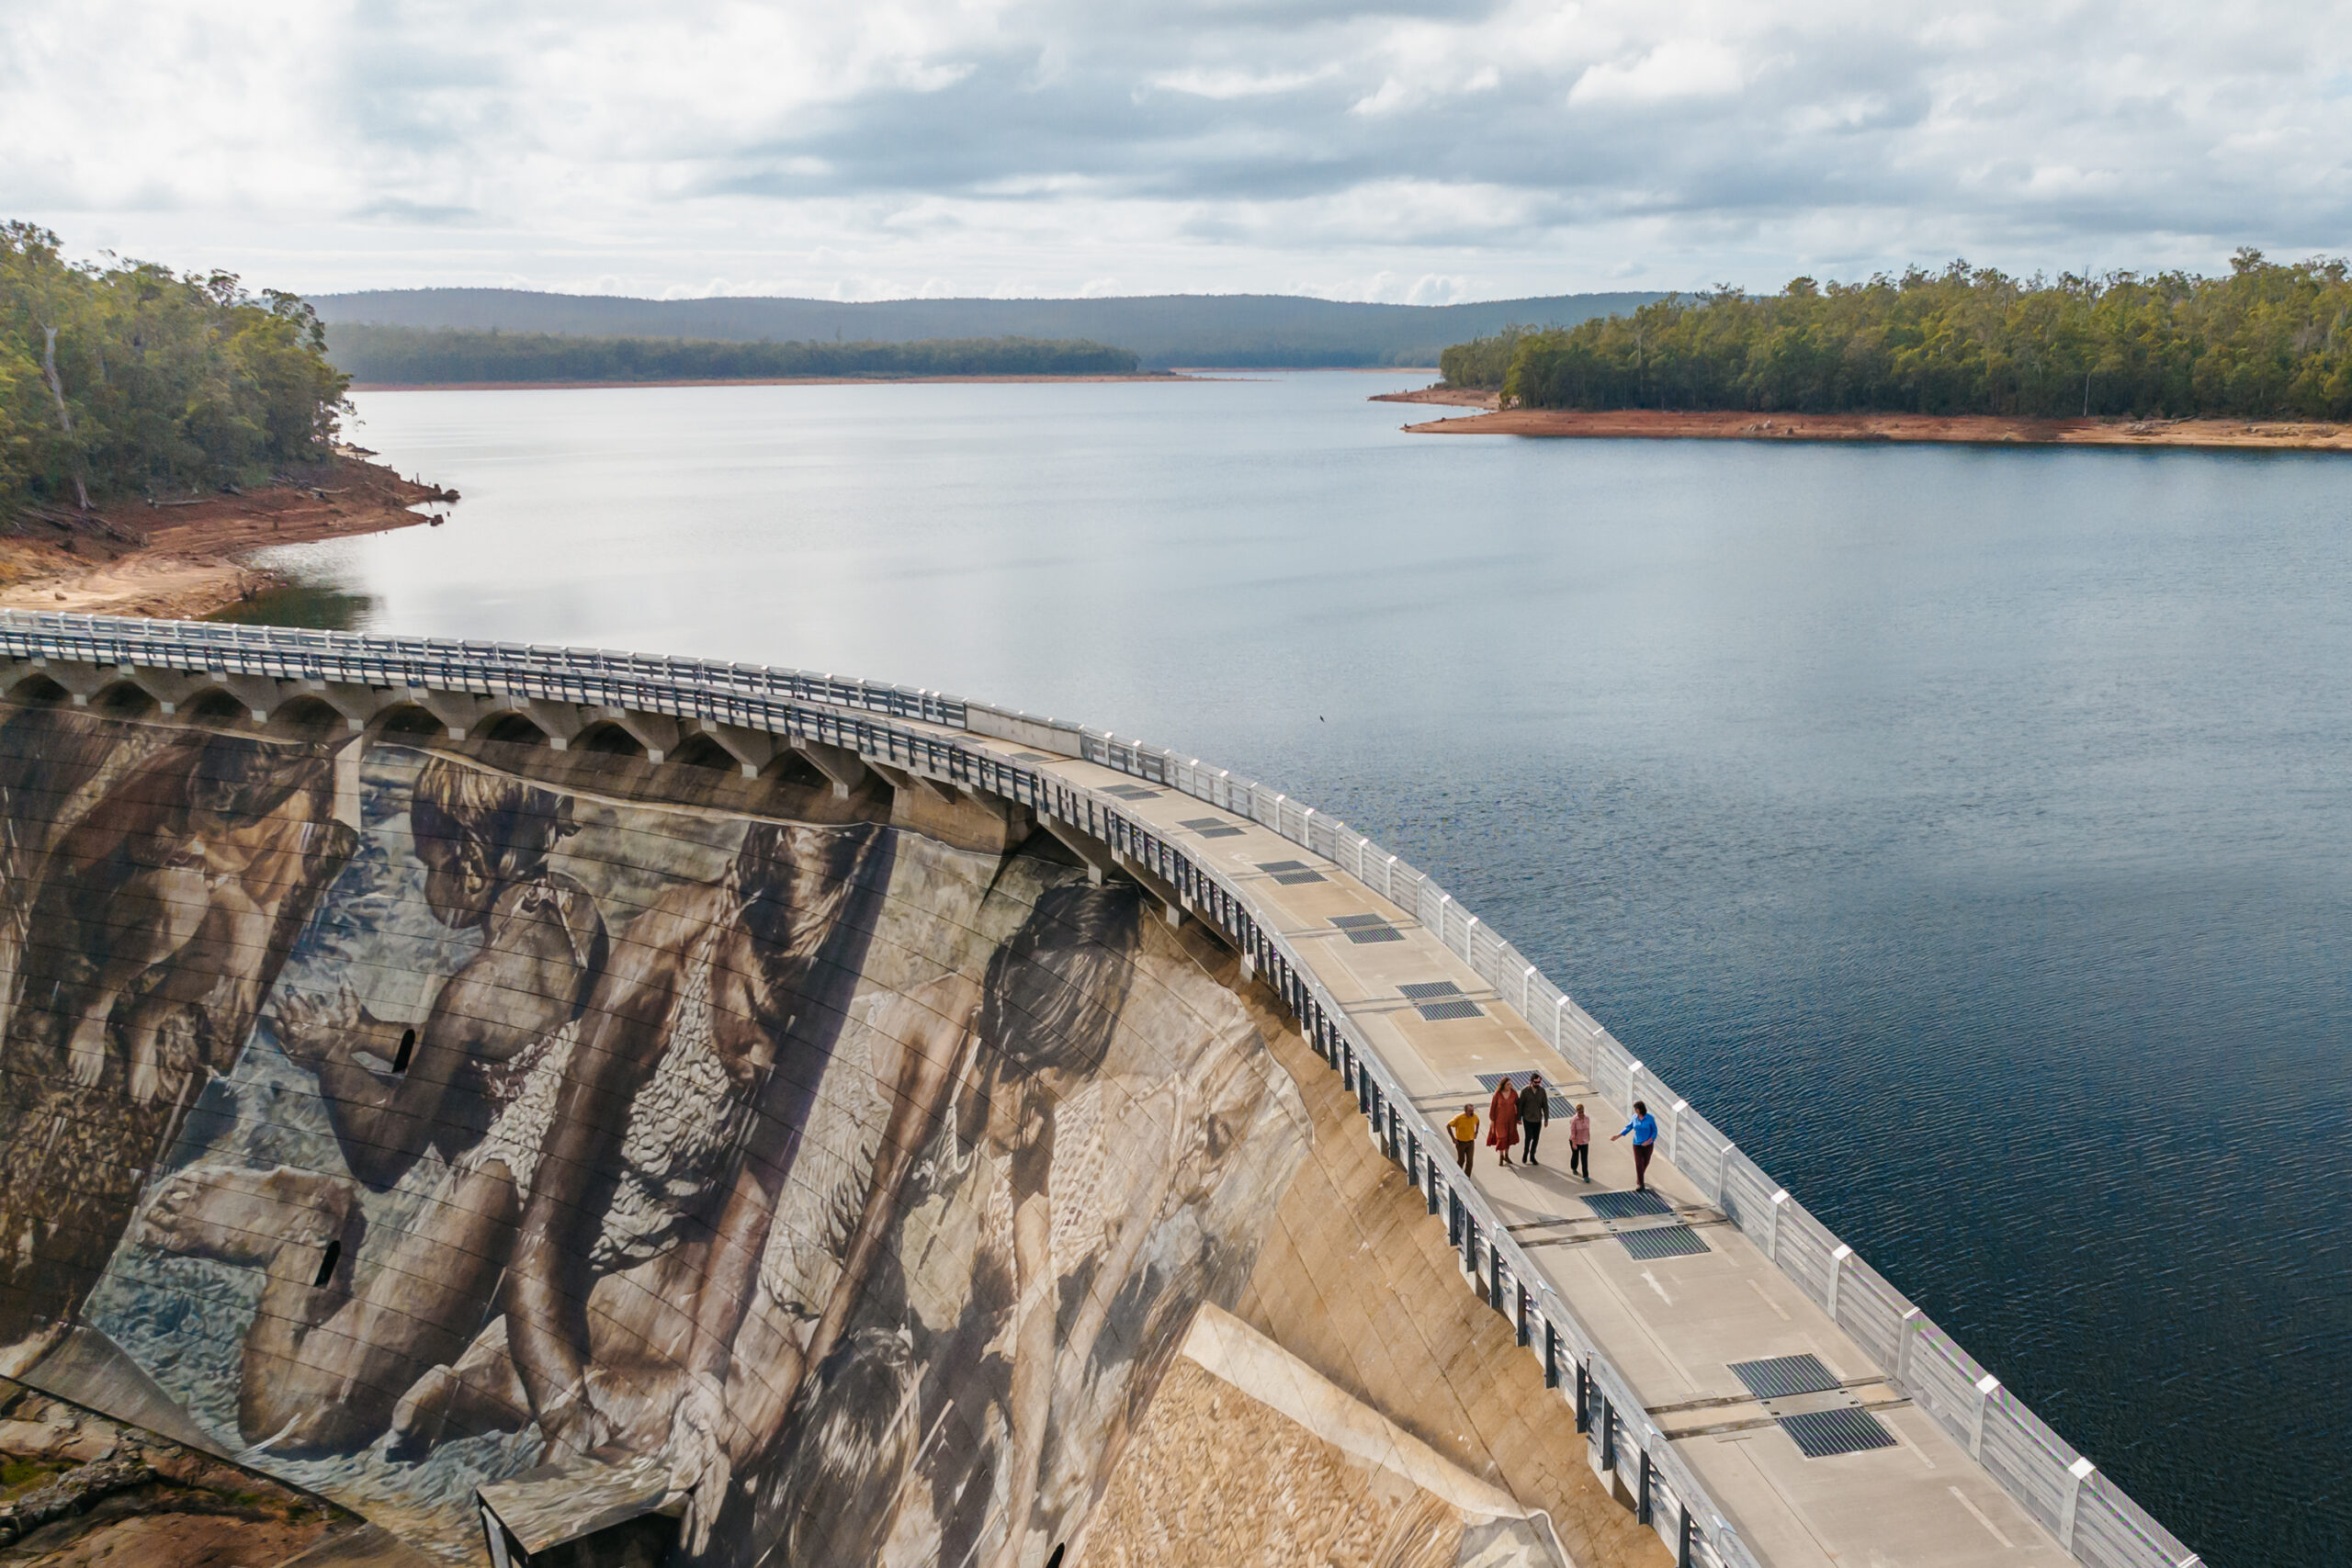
(792, 1174)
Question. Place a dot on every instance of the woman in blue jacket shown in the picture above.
(1644, 1126)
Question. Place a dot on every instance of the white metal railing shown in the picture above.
(2086, 1512)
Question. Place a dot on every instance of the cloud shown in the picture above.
(1404, 149)
(1232, 82)
(1678, 68)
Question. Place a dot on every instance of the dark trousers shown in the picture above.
(1642, 1153)
(1529, 1132)
(1462, 1151)
(1580, 1160)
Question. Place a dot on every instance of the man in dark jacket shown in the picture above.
(1535, 1110)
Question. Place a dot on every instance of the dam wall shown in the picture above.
(861, 1125)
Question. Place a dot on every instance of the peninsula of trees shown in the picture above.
(2268, 341)
(430, 357)
(129, 379)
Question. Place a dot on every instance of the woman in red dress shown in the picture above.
(1502, 1120)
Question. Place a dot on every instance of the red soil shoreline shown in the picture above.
(189, 557)
(1989, 430)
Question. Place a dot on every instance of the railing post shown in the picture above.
(1519, 1308)
(1682, 1549)
(1494, 1271)
(1608, 1438)
(1452, 1216)
(1642, 1501)
(1838, 1257)
(1772, 1245)
(1550, 1355)
(1584, 1398)
(1903, 1347)
(2081, 1473)
(1986, 1386)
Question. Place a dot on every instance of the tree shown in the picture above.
(146, 379)
(2268, 340)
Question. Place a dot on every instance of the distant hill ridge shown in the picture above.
(1239, 330)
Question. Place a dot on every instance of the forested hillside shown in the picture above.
(128, 377)
(1237, 330)
(2267, 341)
(410, 356)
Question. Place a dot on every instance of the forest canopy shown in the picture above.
(2270, 340)
(418, 357)
(127, 377)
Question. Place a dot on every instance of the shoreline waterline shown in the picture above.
(1962, 430)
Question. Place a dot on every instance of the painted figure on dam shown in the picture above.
(678, 1127)
(868, 1183)
(153, 883)
(1117, 1132)
(329, 1365)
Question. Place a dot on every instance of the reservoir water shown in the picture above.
(1968, 832)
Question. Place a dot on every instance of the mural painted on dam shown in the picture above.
(412, 1116)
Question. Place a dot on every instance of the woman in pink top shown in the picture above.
(1580, 1144)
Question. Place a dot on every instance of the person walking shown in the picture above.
(1465, 1129)
(1580, 1144)
(1502, 1120)
(1534, 1111)
(1644, 1126)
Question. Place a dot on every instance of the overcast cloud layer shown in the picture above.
(1408, 151)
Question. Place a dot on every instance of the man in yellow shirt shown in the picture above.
(1465, 1129)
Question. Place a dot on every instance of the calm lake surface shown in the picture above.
(1967, 832)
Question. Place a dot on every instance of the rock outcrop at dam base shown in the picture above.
(781, 1168)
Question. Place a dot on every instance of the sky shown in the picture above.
(1408, 151)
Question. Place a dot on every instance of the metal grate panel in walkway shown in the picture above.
(1627, 1206)
(1823, 1434)
(1779, 1377)
(1560, 1102)
(1367, 928)
(1663, 1241)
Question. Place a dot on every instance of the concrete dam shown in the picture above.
(572, 1107)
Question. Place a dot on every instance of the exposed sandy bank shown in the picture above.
(1456, 397)
(1969, 429)
(188, 559)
